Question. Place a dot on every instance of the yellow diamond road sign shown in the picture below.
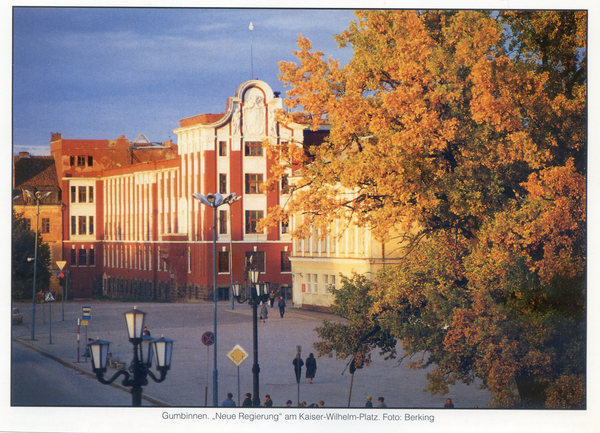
(237, 355)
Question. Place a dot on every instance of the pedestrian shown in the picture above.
(313, 405)
(298, 363)
(281, 306)
(369, 401)
(272, 298)
(311, 367)
(449, 404)
(87, 347)
(268, 401)
(248, 400)
(380, 402)
(321, 403)
(228, 402)
(302, 404)
(146, 332)
(288, 403)
(263, 312)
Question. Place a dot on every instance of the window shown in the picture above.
(256, 260)
(92, 257)
(286, 265)
(91, 225)
(328, 283)
(81, 161)
(285, 185)
(71, 160)
(73, 194)
(82, 194)
(223, 183)
(222, 222)
(82, 257)
(73, 225)
(91, 194)
(222, 148)
(90, 161)
(73, 257)
(253, 148)
(252, 218)
(285, 227)
(82, 225)
(223, 262)
(253, 183)
(45, 225)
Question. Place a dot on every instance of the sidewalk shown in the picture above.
(189, 382)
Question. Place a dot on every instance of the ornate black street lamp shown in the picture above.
(214, 201)
(256, 296)
(144, 349)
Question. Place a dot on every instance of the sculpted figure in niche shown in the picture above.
(235, 120)
(272, 124)
(254, 116)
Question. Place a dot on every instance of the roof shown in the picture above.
(200, 119)
(35, 171)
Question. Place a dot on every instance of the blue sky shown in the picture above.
(100, 73)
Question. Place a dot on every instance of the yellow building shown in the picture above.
(318, 262)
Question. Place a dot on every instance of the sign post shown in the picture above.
(299, 352)
(50, 297)
(86, 316)
(237, 355)
(208, 339)
(60, 275)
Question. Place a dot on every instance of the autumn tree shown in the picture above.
(465, 131)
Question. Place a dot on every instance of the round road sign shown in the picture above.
(208, 338)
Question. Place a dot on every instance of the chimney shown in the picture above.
(24, 155)
(55, 136)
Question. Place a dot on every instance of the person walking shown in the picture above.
(228, 402)
(263, 312)
(146, 332)
(311, 367)
(281, 306)
(268, 401)
(298, 363)
(449, 404)
(272, 298)
(369, 401)
(248, 400)
(380, 402)
(288, 403)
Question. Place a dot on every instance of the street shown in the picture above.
(189, 382)
(37, 380)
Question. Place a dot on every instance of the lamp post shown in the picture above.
(37, 197)
(233, 200)
(256, 296)
(214, 201)
(144, 349)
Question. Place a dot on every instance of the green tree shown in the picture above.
(23, 248)
(467, 131)
(361, 334)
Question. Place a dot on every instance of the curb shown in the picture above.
(148, 398)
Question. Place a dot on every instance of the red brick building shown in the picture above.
(130, 227)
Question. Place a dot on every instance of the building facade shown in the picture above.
(131, 227)
(38, 174)
(318, 262)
